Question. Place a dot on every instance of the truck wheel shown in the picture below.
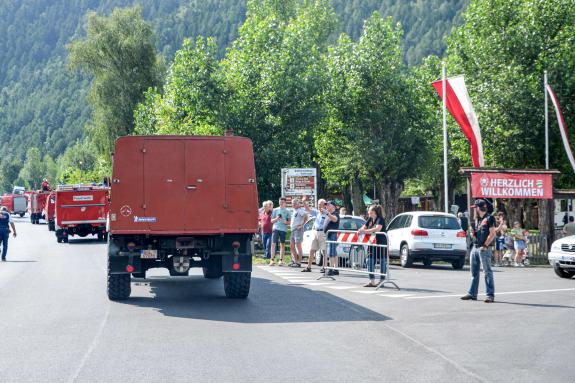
(213, 268)
(458, 265)
(22, 215)
(65, 239)
(32, 220)
(119, 287)
(51, 226)
(563, 273)
(237, 285)
(405, 257)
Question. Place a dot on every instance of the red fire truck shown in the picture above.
(49, 211)
(36, 204)
(81, 210)
(180, 202)
(15, 203)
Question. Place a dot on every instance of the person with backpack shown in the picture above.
(5, 224)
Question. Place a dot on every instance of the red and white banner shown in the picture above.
(460, 106)
(366, 239)
(511, 185)
(562, 127)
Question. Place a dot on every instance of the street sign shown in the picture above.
(299, 183)
(512, 185)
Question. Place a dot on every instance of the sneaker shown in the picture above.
(306, 270)
(516, 264)
(489, 300)
(3, 259)
(521, 265)
(468, 298)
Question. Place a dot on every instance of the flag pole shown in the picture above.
(445, 180)
(546, 121)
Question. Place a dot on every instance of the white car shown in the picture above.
(425, 236)
(562, 256)
(347, 222)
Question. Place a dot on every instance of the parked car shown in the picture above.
(562, 256)
(347, 222)
(426, 237)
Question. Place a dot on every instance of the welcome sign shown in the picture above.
(512, 185)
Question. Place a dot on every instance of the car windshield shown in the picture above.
(438, 222)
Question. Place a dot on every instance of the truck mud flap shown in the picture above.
(120, 265)
(236, 263)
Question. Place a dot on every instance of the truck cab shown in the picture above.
(179, 202)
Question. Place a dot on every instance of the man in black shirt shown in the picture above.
(332, 224)
(483, 233)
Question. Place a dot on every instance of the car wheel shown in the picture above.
(563, 273)
(405, 258)
(458, 265)
(319, 258)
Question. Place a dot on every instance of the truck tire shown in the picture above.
(32, 220)
(563, 273)
(65, 239)
(119, 287)
(213, 268)
(22, 215)
(51, 226)
(237, 285)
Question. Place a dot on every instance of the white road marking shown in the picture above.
(342, 287)
(366, 291)
(397, 295)
(315, 283)
(496, 293)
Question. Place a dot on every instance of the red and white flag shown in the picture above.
(562, 127)
(460, 107)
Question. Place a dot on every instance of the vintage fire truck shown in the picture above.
(36, 204)
(179, 202)
(50, 210)
(81, 210)
(15, 203)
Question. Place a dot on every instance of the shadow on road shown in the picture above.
(85, 241)
(535, 305)
(269, 302)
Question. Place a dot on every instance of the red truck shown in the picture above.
(179, 202)
(81, 210)
(50, 210)
(36, 204)
(15, 203)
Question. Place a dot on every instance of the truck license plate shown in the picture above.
(442, 245)
(149, 254)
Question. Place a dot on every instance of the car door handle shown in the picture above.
(191, 187)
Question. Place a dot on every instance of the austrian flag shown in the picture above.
(460, 107)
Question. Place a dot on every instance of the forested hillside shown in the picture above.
(43, 104)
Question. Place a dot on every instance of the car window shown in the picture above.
(350, 224)
(407, 222)
(396, 223)
(309, 224)
(438, 222)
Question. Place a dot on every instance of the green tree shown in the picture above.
(9, 171)
(119, 53)
(375, 121)
(34, 169)
(274, 73)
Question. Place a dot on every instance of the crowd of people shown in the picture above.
(275, 222)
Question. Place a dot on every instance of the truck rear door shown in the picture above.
(164, 185)
(205, 186)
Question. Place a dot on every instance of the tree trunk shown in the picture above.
(347, 203)
(357, 197)
(515, 212)
(546, 220)
(390, 192)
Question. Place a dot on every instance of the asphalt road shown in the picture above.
(57, 325)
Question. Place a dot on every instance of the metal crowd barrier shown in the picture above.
(356, 259)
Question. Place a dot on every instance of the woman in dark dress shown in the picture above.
(375, 224)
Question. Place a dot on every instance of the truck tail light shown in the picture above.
(130, 269)
(236, 245)
(419, 233)
(461, 234)
(236, 266)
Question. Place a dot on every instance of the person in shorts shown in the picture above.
(299, 218)
(318, 240)
(518, 243)
(501, 230)
(281, 219)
